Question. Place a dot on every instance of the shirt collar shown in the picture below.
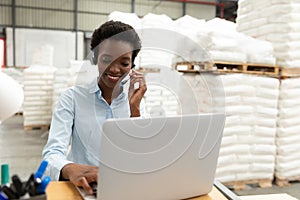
(94, 88)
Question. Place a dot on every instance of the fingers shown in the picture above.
(82, 175)
(82, 182)
(137, 77)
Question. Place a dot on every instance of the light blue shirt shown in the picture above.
(76, 126)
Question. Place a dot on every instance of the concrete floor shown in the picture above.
(22, 151)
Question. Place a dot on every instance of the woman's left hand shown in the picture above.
(135, 94)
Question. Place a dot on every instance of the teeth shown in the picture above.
(113, 77)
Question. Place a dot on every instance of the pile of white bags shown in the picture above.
(288, 137)
(38, 94)
(160, 101)
(196, 40)
(61, 81)
(155, 28)
(248, 146)
(276, 21)
(220, 40)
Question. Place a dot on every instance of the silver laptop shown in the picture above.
(159, 158)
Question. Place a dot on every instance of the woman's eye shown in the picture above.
(105, 59)
(125, 64)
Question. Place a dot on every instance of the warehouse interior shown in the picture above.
(237, 57)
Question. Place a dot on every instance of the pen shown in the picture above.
(42, 186)
(41, 170)
(3, 196)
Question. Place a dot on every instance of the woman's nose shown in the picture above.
(114, 67)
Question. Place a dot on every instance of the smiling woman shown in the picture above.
(81, 111)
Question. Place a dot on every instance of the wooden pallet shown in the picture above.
(247, 68)
(289, 72)
(283, 182)
(242, 185)
(194, 67)
(228, 67)
(145, 70)
(36, 127)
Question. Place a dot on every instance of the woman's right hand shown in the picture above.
(81, 175)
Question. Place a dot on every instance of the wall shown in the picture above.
(59, 14)
(28, 41)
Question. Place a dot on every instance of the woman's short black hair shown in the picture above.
(112, 29)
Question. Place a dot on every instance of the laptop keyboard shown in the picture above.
(86, 196)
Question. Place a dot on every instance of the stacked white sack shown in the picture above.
(160, 101)
(61, 82)
(276, 21)
(221, 42)
(224, 41)
(204, 94)
(151, 56)
(161, 98)
(288, 137)
(192, 45)
(38, 94)
(171, 93)
(248, 145)
(229, 45)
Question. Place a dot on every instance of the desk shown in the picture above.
(67, 191)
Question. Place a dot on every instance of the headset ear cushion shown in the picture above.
(95, 60)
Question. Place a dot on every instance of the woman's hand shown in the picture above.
(81, 175)
(135, 95)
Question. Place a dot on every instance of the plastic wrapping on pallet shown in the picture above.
(276, 22)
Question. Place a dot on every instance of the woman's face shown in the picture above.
(114, 61)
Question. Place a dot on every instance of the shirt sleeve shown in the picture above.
(56, 149)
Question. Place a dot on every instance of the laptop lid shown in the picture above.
(159, 158)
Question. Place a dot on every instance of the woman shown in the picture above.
(81, 111)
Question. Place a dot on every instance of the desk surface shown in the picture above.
(67, 191)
